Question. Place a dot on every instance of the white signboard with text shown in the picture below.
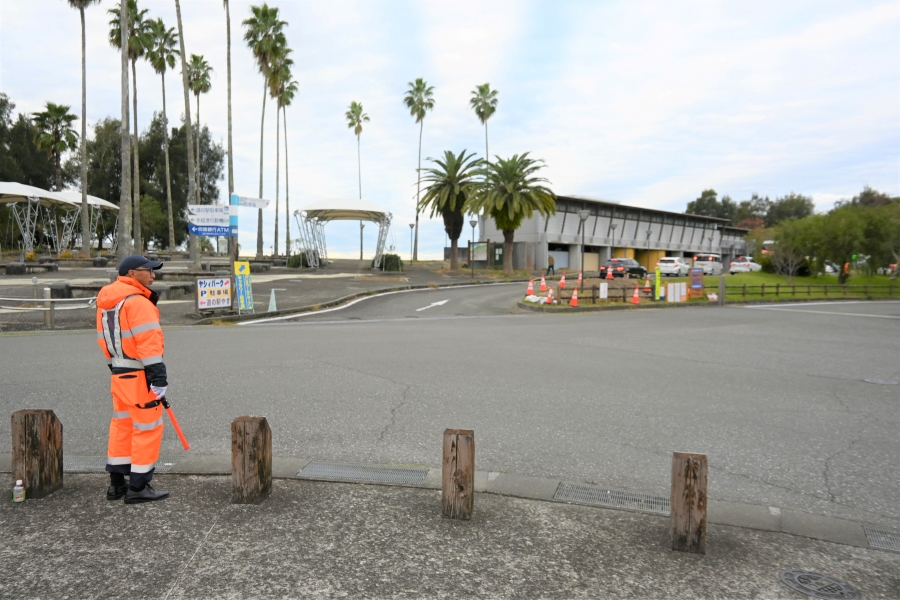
(213, 293)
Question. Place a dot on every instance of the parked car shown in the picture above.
(710, 263)
(623, 267)
(743, 264)
(674, 266)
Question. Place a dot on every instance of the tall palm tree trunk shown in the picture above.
(486, 154)
(197, 163)
(124, 229)
(138, 242)
(418, 191)
(233, 240)
(85, 217)
(508, 250)
(195, 257)
(359, 168)
(168, 174)
(287, 197)
(277, 173)
(262, 123)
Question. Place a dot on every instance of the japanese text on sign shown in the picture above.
(213, 292)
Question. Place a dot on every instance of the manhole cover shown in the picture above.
(882, 381)
(818, 585)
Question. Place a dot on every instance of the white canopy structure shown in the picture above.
(95, 205)
(312, 219)
(27, 202)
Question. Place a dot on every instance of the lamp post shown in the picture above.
(361, 227)
(613, 249)
(583, 215)
(649, 232)
(473, 223)
(411, 226)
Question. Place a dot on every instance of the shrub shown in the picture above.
(65, 254)
(390, 262)
(765, 262)
(29, 256)
(296, 261)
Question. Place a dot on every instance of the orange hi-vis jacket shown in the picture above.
(128, 330)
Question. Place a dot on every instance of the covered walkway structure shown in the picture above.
(312, 219)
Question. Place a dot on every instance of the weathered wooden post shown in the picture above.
(37, 451)
(251, 460)
(688, 513)
(458, 474)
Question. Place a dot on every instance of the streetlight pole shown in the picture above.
(361, 227)
(613, 249)
(411, 226)
(473, 223)
(583, 215)
(649, 232)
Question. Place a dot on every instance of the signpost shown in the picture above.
(213, 293)
(242, 286)
(696, 283)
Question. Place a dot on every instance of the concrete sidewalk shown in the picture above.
(319, 539)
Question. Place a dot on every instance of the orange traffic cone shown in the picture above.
(609, 272)
(574, 300)
(530, 290)
(647, 285)
(543, 287)
(550, 296)
(579, 277)
(562, 281)
(636, 299)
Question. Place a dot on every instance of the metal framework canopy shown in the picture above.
(316, 215)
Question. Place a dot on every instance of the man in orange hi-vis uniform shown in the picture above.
(129, 334)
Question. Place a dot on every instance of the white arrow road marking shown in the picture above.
(441, 303)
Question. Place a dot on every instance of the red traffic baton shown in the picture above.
(175, 424)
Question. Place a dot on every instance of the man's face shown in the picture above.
(144, 275)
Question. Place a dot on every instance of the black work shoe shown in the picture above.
(114, 492)
(148, 494)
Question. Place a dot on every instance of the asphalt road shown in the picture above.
(775, 397)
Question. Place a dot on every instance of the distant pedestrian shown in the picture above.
(550, 262)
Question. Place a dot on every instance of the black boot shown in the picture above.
(147, 494)
(117, 487)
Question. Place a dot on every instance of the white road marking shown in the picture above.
(828, 312)
(831, 303)
(441, 303)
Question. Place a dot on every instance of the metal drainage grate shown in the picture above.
(594, 495)
(819, 586)
(97, 464)
(356, 473)
(882, 381)
(883, 539)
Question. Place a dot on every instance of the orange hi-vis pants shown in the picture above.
(135, 434)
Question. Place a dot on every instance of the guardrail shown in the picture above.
(49, 307)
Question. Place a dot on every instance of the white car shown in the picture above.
(710, 263)
(674, 266)
(743, 264)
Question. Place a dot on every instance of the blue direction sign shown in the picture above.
(213, 230)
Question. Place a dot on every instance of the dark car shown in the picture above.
(623, 267)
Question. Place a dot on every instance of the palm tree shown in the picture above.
(123, 246)
(85, 217)
(140, 38)
(232, 240)
(162, 55)
(484, 102)
(265, 37)
(448, 191)
(280, 73)
(510, 192)
(285, 97)
(198, 78)
(55, 134)
(419, 99)
(355, 118)
(188, 129)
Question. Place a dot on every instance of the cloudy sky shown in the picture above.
(644, 102)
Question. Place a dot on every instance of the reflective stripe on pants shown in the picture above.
(138, 436)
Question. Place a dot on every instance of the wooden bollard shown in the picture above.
(251, 460)
(37, 451)
(458, 474)
(688, 514)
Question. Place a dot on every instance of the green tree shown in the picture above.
(55, 135)
(140, 38)
(153, 221)
(185, 86)
(279, 75)
(285, 97)
(484, 103)
(20, 158)
(162, 54)
(265, 37)
(199, 73)
(792, 206)
(419, 99)
(870, 197)
(751, 214)
(85, 217)
(511, 191)
(448, 190)
(232, 240)
(124, 247)
(355, 118)
(708, 205)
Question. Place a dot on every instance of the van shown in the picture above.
(710, 263)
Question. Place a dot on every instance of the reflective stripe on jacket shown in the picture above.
(128, 330)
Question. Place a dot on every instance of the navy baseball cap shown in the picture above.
(136, 261)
